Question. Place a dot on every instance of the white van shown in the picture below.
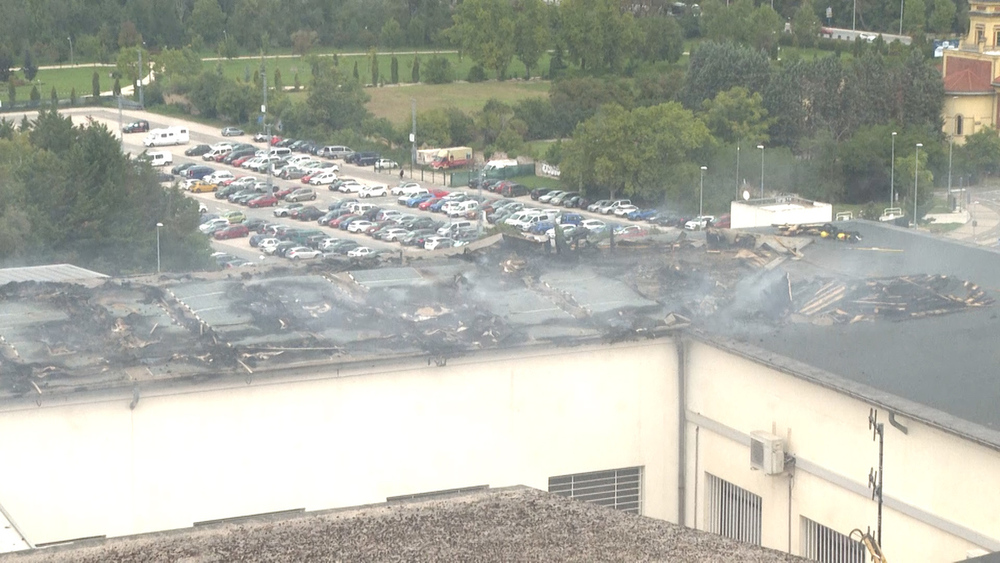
(456, 227)
(214, 154)
(279, 151)
(463, 208)
(159, 158)
(166, 137)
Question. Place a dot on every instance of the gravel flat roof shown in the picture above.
(503, 525)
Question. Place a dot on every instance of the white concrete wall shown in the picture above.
(196, 454)
(929, 471)
(745, 216)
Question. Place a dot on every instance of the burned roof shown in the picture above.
(901, 312)
(510, 524)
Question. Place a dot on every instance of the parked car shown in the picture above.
(593, 207)
(364, 158)
(386, 164)
(265, 200)
(624, 210)
(302, 253)
(436, 242)
(611, 206)
(594, 225)
(373, 191)
(301, 194)
(547, 197)
(181, 168)
(359, 226)
(286, 210)
(198, 172)
(140, 126)
(539, 192)
(232, 231)
(201, 187)
(323, 178)
(232, 132)
(642, 214)
(699, 223)
(361, 252)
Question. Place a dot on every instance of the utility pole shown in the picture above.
(738, 171)
(413, 134)
(121, 135)
(70, 50)
(892, 173)
(267, 126)
(141, 100)
(916, 165)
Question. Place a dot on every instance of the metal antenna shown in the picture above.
(875, 477)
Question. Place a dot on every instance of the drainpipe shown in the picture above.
(681, 427)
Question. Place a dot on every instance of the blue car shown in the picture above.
(571, 219)
(417, 200)
(436, 208)
(541, 227)
(642, 215)
(198, 172)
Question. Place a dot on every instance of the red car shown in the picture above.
(267, 200)
(239, 161)
(275, 140)
(283, 192)
(233, 231)
(336, 222)
(439, 192)
(425, 205)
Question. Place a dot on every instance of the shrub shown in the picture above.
(439, 71)
(476, 74)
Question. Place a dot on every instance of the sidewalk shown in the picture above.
(983, 227)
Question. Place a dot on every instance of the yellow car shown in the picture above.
(203, 187)
(235, 217)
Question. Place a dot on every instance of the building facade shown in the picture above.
(972, 74)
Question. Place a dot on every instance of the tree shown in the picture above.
(439, 71)
(207, 20)
(921, 92)
(278, 86)
(597, 34)
(6, 61)
(980, 155)
(483, 30)
(298, 85)
(942, 17)
(95, 85)
(415, 72)
(556, 62)
(394, 71)
(116, 90)
(373, 57)
(36, 96)
(531, 33)
(741, 23)
(128, 35)
(806, 24)
(391, 34)
(11, 92)
(337, 103)
(737, 116)
(72, 96)
(30, 69)
(357, 76)
(914, 16)
(662, 39)
(303, 41)
(647, 152)
(54, 97)
(717, 67)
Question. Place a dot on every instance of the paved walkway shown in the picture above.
(983, 226)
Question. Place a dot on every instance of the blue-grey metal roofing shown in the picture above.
(50, 273)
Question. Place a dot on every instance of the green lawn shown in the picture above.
(64, 79)
(393, 102)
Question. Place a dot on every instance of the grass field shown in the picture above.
(64, 79)
(393, 102)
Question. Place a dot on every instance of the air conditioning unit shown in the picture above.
(767, 453)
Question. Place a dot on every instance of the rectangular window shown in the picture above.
(826, 545)
(620, 489)
(980, 34)
(732, 511)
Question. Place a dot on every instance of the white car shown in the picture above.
(437, 242)
(218, 177)
(385, 163)
(611, 206)
(388, 214)
(624, 210)
(323, 178)
(398, 190)
(286, 210)
(328, 243)
(359, 226)
(302, 253)
(548, 197)
(268, 243)
(394, 234)
(351, 188)
(594, 225)
(699, 223)
(594, 207)
(373, 191)
(361, 252)
(209, 226)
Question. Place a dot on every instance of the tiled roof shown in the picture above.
(968, 76)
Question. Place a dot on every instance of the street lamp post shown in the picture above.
(141, 100)
(892, 173)
(701, 192)
(737, 171)
(916, 164)
(70, 39)
(761, 147)
(158, 225)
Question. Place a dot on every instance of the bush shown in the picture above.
(438, 71)
(476, 74)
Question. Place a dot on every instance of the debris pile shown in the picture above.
(830, 301)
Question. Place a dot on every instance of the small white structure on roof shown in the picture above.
(779, 210)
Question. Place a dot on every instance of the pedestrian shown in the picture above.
(400, 173)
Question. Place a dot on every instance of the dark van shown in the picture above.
(514, 190)
(365, 158)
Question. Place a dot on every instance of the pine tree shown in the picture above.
(117, 89)
(72, 96)
(336, 60)
(374, 66)
(298, 85)
(415, 73)
(54, 97)
(95, 85)
(35, 95)
(356, 75)
(30, 69)
(277, 80)
(11, 92)
(394, 71)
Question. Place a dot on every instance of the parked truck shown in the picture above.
(455, 157)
